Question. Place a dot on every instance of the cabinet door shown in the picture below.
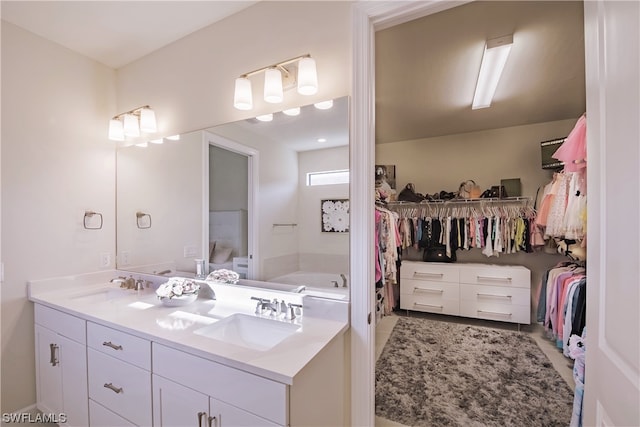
(177, 406)
(48, 371)
(75, 398)
(230, 416)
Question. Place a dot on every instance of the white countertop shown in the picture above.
(142, 314)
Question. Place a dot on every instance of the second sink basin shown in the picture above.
(256, 333)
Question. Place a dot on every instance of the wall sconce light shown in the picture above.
(132, 122)
(494, 58)
(276, 77)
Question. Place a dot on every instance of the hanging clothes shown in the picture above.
(388, 243)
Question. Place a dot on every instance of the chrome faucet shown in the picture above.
(344, 280)
(293, 310)
(299, 289)
(262, 304)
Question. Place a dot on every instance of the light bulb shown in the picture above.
(243, 98)
(307, 77)
(273, 86)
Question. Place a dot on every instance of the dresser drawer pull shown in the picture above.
(110, 386)
(496, 313)
(496, 279)
(437, 291)
(421, 274)
(211, 421)
(439, 307)
(494, 295)
(112, 345)
(200, 415)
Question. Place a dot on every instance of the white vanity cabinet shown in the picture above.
(483, 291)
(192, 391)
(119, 376)
(61, 365)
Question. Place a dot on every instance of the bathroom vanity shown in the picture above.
(107, 356)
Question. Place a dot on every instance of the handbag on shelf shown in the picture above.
(438, 253)
(408, 194)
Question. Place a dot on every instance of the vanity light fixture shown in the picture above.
(132, 122)
(265, 117)
(324, 105)
(292, 111)
(494, 58)
(173, 138)
(156, 141)
(278, 77)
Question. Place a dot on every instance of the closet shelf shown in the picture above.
(486, 200)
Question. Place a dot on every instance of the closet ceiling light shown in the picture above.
(132, 122)
(299, 71)
(494, 58)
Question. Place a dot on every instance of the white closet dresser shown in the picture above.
(483, 291)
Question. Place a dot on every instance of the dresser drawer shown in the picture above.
(429, 271)
(260, 396)
(496, 275)
(121, 387)
(496, 311)
(429, 304)
(62, 323)
(99, 416)
(495, 294)
(120, 345)
(425, 289)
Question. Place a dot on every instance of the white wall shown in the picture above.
(56, 163)
(442, 163)
(318, 250)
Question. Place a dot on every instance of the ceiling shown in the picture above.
(426, 69)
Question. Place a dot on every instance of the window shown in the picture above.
(328, 177)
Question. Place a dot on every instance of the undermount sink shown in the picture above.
(256, 333)
(102, 294)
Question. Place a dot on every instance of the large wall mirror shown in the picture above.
(238, 196)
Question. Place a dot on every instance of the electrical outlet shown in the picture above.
(124, 258)
(105, 259)
(190, 251)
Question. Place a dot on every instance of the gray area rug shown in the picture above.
(435, 373)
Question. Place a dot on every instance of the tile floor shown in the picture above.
(562, 364)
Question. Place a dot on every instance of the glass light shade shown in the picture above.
(131, 127)
(307, 77)
(273, 86)
(242, 97)
(156, 141)
(116, 131)
(265, 117)
(324, 105)
(148, 120)
(173, 138)
(292, 111)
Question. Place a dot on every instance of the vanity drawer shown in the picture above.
(120, 345)
(121, 387)
(431, 289)
(429, 271)
(496, 276)
(260, 396)
(64, 324)
(496, 311)
(99, 416)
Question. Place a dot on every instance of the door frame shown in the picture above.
(253, 214)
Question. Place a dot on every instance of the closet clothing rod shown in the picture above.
(483, 200)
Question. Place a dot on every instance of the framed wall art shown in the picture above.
(335, 215)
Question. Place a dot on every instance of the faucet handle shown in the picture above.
(260, 305)
(293, 310)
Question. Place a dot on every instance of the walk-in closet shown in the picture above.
(469, 224)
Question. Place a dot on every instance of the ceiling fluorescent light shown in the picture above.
(495, 56)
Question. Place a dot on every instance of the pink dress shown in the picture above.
(573, 151)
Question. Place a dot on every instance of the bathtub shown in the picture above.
(316, 284)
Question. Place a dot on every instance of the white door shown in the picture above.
(177, 406)
(224, 415)
(612, 38)
(49, 371)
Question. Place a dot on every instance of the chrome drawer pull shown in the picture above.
(494, 295)
(495, 313)
(439, 307)
(437, 291)
(498, 279)
(200, 415)
(53, 359)
(110, 386)
(112, 345)
(418, 274)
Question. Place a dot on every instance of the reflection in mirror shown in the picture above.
(242, 186)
